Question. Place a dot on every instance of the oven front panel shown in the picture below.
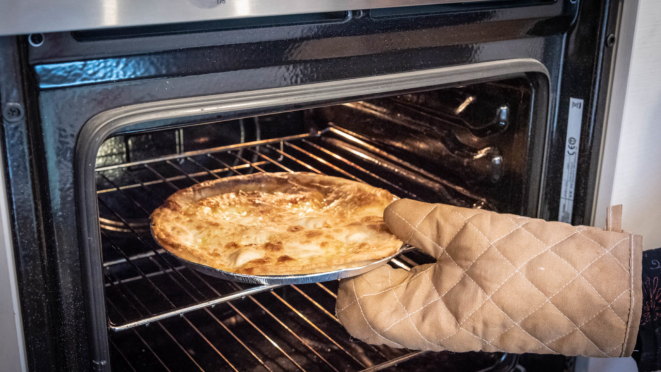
(68, 85)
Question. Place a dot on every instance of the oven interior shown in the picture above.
(466, 145)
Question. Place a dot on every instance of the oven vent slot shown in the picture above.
(210, 26)
(422, 10)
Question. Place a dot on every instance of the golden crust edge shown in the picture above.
(164, 240)
(174, 203)
(188, 194)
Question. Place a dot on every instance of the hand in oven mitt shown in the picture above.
(501, 283)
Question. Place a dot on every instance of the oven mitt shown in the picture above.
(501, 283)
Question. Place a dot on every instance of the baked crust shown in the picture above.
(276, 223)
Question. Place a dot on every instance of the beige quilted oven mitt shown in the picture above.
(501, 283)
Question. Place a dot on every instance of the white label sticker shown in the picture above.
(571, 159)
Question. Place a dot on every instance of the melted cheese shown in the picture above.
(277, 223)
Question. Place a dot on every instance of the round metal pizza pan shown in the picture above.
(290, 279)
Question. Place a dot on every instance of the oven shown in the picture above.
(496, 105)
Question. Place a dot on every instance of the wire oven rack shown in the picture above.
(163, 316)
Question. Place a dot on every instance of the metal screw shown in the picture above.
(12, 112)
(36, 40)
(359, 14)
(610, 40)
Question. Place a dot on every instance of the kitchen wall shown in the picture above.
(631, 169)
(631, 166)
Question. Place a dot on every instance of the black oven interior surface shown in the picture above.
(98, 294)
(462, 145)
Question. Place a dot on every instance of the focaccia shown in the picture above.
(276, 223)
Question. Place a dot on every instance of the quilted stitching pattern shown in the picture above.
(501, 283)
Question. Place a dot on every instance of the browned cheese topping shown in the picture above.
(277, 223)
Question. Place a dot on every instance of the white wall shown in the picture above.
(634, 149)
(637, 181)
(631, 165)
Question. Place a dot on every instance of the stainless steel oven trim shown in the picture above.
(12, 344)
(102, 125)
(36, 16)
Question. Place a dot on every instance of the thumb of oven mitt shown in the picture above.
(501, 283)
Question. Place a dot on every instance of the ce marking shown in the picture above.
(571, 146)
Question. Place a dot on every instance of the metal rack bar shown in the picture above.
(265, 309)
(394, 361)
(387, 165)
(188, 309)
(316, 328)
(135, 331)
(179, 311)
(181, 314)
(237, 146)
(231, 168)
(324, 162)
(327, 290)
(400, 264)
(278, 321)
(314, 302)
(293, 286)
(137, 203)
(270, 160)
(261, 306)
(408, 260)
(319, 284)
(297, 289)
(141, 239)
(191, 325)
(175, 178)
(206, 170)
(134, 257)
(233, 296)
(358, 167)
(394, 260)
(288, 305)
(252, 165)
(159, 324)
(284, 154)
(353, 137)
(203, 302)
(198, 305)
(150, 275)
(119, 351)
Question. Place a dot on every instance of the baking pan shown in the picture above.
(294, 278)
